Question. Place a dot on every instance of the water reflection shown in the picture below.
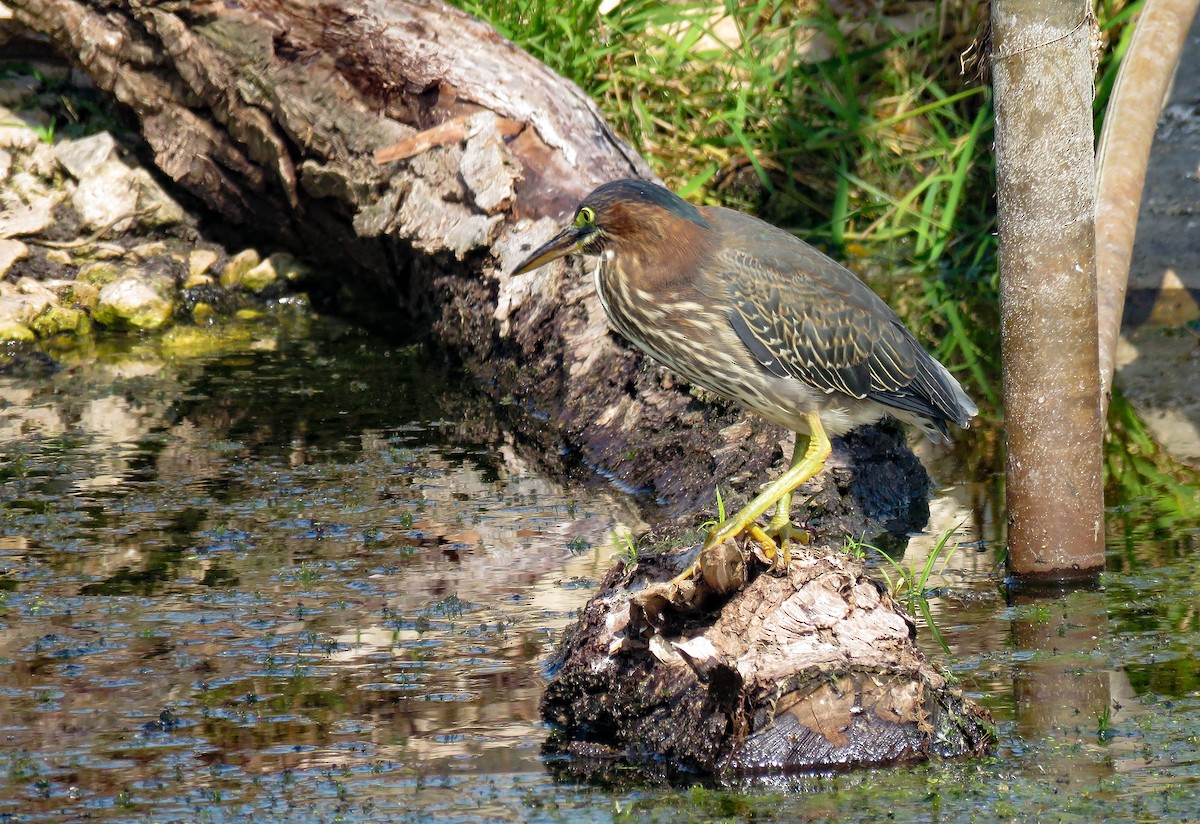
(307, 553)
(306, 576)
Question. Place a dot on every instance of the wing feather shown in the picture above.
(801, 314)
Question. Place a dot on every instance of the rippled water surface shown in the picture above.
(295, 573)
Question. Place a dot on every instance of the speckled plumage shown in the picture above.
(757, 316)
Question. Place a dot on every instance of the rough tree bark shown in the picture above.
(274, 114)
(1043, 73)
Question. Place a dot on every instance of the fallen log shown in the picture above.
(272, 115)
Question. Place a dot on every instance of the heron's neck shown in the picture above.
(666, 259)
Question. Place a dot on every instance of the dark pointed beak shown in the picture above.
(564, 243)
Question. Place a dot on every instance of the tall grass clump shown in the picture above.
(860, 130)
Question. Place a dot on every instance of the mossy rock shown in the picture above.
(99, 273)
(58, 319)
(200, 261)
(245, 270)
(261, 277)
(136, 301)
(195, 341)
(76, 294)
(12, 330)
(204, 313)
(235, 270)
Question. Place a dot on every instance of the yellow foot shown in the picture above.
(722, 566)
(808, 457)
(775, 555)
(790, 532)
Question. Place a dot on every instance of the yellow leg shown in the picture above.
(816, 450)
(783, 510)
(808, 458)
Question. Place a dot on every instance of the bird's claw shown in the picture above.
(719, 568)
(791, 532)
(774, 554)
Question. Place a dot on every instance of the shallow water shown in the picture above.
(301, 575)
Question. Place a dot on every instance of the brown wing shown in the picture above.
(802, 314)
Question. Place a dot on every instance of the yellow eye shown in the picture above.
(586, 217)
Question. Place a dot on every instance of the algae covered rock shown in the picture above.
(19, 306)
(135, 300)
(235, 270)
(86, 237)
(148, 250)
(74, 293)
(14, 330)
(248, 270)
(200, 261)
(196, 341)
(261, 277)
(99, 273)
(56, 319)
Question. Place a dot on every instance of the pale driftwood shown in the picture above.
(1122, 157)
(273, 114)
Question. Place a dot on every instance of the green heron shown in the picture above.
(757, 316)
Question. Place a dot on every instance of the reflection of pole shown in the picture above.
(1045, 196)
(1059, 692)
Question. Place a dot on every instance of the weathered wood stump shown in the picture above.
(814, 670)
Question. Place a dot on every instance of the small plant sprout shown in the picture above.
(910, 582)
(857, 548)
(627, 550)
(711, 524)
